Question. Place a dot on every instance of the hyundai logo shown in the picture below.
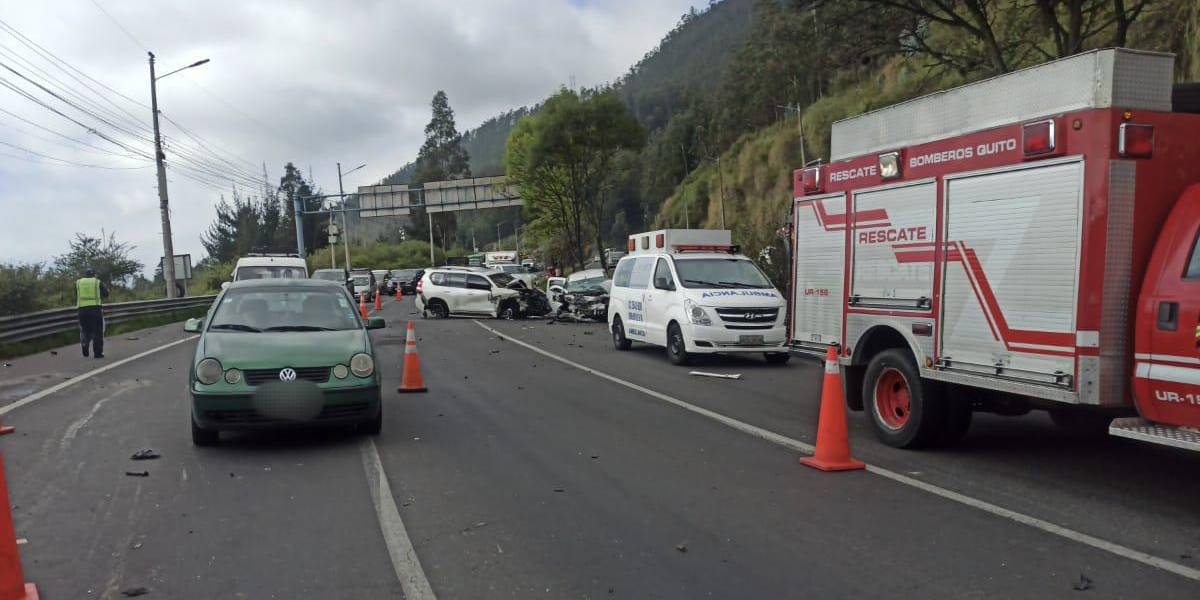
(287, 374)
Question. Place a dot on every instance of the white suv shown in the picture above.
(448, 291)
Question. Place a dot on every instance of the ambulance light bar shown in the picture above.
(731, 249)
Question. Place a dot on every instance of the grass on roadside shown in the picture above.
(66, 338)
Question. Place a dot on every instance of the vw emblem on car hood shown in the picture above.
(287, 374)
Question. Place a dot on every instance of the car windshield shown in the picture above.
(501, 279)
(284, 309)
(589, 284)
(329, 275)
(270, 272)
(708, 273)
(362, 280)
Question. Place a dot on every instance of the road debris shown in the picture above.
(7, 364)
(145, 454)
(137, 473)
(559, 490)
(133, 339)
(478, 525)
(134, 592)
(717, 375)
(137, 546)
(54, 352)
(1083, 584)
(682, 547)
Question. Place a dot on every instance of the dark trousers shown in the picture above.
(91, 329)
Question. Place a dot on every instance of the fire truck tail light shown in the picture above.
(659, 240)
(630, 245)
(812, 180)
(1136, 141)
(1037, 139)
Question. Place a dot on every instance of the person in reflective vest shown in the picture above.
(90, 293)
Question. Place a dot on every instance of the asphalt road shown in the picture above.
(521, 476)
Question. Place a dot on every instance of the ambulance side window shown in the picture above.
(662, 276)
(640, 277)
(1193, 264)
(624, 270)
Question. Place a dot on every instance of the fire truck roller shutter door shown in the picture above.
(1010, 272)
(820, 254)
(892, 238)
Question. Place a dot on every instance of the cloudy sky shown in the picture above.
(309, 81)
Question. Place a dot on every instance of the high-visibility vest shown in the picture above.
(87, 292)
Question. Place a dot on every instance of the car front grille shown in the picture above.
(261, 376)
(748, 318)
(250, 415)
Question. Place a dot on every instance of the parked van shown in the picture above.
(269, 266)
(690, 291)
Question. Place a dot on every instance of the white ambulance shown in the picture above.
(692, 292)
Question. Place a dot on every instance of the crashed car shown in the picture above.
(443, 292)
(584, 297)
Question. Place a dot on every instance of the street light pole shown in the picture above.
(345, 230)
(164, 208)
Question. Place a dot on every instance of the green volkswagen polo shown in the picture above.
(283, 352)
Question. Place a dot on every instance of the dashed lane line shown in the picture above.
(993, 509)
(84, 377)
(404, 557)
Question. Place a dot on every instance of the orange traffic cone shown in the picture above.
(362, 305)
(399, 293)
(411, 381)
(378, 301)
(12, 578)
(833, 443)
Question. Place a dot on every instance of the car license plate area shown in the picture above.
(750, 340)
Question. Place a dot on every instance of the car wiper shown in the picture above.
(716, 284)
(297, 328)
(742, 285)
(235, 327)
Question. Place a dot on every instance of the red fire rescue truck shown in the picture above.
(1024, 242)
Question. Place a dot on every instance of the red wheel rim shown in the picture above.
(892, 399)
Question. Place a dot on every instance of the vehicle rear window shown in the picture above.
(270, 272)
(621, 275)
(437, 278)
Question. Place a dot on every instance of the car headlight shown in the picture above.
(208, 371)
(362, 365)
(696, 313)
(340, 371)
(233, 376)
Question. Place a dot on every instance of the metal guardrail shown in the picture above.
(18, 328)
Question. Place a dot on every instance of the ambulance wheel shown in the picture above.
(620, 342)
(778, 358)
(676, 348)
(906, 411)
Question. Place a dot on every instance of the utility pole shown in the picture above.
(163, 206)
(721, 178)
(168, 266)
(298, 207)
(430, 215)
(345, 230)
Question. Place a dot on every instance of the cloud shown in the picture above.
(309, 81)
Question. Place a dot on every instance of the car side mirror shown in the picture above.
(376, 323)
(192, 325)
(226, 284)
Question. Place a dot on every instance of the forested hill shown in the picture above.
(687, 62)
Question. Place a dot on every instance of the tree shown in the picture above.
(1001, 36)
(561, 159)
(441, 157)
(293, 186)
(109, 258)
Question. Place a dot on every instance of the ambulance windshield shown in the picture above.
(704, 273)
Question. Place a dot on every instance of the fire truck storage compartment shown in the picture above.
(889, 225)
(1009, 289)
(820, 262)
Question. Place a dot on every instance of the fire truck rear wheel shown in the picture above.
(906, 411)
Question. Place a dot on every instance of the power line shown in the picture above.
(65, 161)
(120, 26)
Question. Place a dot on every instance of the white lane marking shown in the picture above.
(395, 536)
(94, 372)
(988, 507)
